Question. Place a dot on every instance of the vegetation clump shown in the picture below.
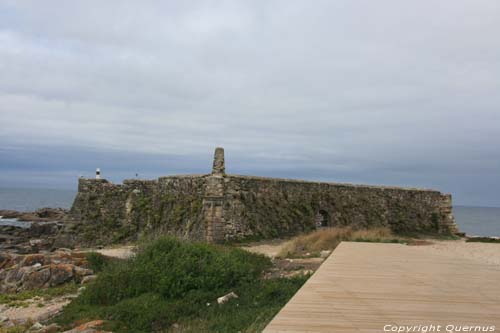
(174, 285)
(482, 240)
(97, 262)
(21, 328)
(328, 239)
(18, 299)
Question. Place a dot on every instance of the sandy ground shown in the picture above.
(483, 253)
(487, 253)
(122, 252)
(269, 248)
(283, 267)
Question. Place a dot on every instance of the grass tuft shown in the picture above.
(328, 239)
(97, 262)
(47, 294)
(19, 328)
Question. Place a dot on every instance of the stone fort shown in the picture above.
(220, 207)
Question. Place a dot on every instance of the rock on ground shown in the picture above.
(41, 270)
(227, 297)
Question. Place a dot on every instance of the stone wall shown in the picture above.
(275, 207)
(106, 213)
(219, 207)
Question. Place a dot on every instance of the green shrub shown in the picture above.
(170, 281)
(257, 304)
(172, 268)
(96, 261)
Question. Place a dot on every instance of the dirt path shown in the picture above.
(122, 252)
(283, 267)
(270, 248)
(487, 253)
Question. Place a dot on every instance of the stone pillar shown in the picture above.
(219, 167)
(213, 200)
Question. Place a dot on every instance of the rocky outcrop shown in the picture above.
(39, 236)
(41, 215)
(9, 214)
(41, 270)
(36, 231)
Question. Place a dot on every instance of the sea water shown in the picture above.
(478, 221)
(28, 200)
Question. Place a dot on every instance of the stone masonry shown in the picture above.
(220, 207)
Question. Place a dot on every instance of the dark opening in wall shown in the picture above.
(322, 219)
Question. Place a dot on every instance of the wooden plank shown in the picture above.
(363, 286)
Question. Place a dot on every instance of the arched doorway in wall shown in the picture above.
(322, 219)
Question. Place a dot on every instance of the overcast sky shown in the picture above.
(380, 92)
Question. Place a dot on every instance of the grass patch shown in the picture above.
(21, 328)
(97, 262)
(174, 282)
(483, 240)
(19, 299)
(427, 235)
(328, 239)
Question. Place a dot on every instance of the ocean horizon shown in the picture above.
(473, 220)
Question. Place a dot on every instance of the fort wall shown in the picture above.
(218, 207)
(275, 207)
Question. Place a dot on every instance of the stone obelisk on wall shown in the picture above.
(214, 199)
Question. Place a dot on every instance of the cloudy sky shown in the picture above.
(379, 92)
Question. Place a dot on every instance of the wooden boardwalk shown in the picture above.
(362, 287)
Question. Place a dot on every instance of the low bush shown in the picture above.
(171, 281)
(97, 261)
(329, 238)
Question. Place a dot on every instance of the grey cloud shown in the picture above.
(388, 91)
